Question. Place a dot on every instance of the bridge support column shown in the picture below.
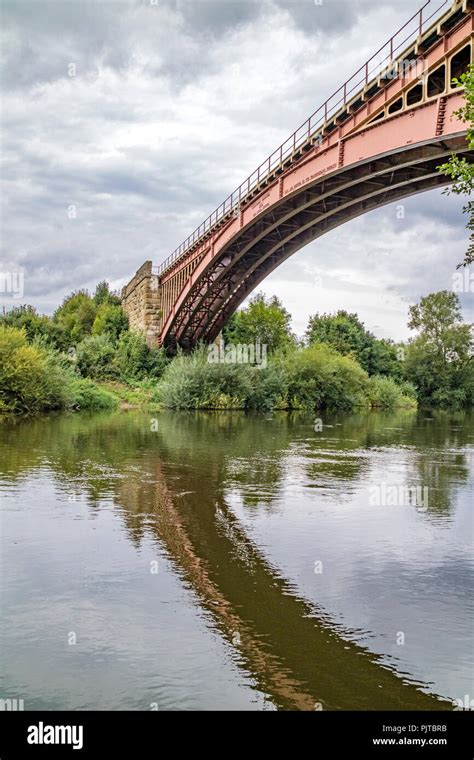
(141, 302)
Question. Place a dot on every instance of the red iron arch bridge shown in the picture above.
(379, 138)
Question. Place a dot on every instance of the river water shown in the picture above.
(224, 561)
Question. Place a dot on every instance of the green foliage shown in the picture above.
(103, 295)
(136, 360)
(263, 320)
(95, 357)
(382, 359)
(84, 394)
(24, 381)
(192, 382)
(309, 378)
(269, 388)
(157, 362)
(35, 325)
(460, 170)
(385, 393)
(76, 316)
(346, 334)
(439, 361)
(138, 393)
(343, 365)
(132, 355)
(35, 379)
(111, 321)
(318, 378)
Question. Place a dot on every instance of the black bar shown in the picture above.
(136, 734)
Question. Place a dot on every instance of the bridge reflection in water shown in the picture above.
(285, 643)
(172, 484)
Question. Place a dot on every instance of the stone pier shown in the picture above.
(141, 302)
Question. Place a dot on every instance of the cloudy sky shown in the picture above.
(126, 122)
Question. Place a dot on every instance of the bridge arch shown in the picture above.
(221, 284)
(378, 139)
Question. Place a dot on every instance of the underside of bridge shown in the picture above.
(297, 221)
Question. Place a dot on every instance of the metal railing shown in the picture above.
(380, 63)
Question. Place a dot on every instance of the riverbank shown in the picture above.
(34, 379)
(86, 358)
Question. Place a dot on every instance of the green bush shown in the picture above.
(158, 360)
(303, 379)
(135, 360)
(191, 382)
(84, 394)
(385, 393)
(30, 380)
(318, 377)
(269, 388)
(95, 358)
(35, 379)
(76, 316)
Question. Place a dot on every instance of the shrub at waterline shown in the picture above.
(34, 379)
(320, 378)
(311, 378)
(130, 360)
(192, 382)
(84, 394)
(384, 393)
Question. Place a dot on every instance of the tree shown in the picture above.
(103, 295)
(110, 320)
(263, 320)
(347, 335)
(76, 315)
(460, 170)
(36, 326)
(439, 360)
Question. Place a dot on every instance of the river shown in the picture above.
(224, 561)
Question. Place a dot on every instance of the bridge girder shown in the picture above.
(299, 220)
